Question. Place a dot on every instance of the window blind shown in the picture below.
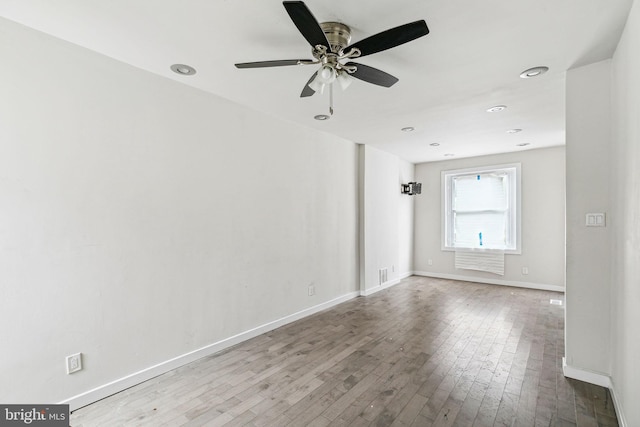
(479, 206)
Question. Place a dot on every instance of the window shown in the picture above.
(482, 208)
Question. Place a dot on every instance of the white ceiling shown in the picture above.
(469, 62)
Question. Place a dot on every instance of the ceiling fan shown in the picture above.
(330, 47)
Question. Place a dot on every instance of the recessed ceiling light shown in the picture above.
(524, 144)
(534, 72)
(449, 155)
(322, 117)
(497, 108)
(434, 144)
(408, 129)
(514, 130)
(184, 70)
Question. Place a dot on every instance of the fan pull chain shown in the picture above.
(331, 99)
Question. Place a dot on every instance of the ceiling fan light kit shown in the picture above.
(331, 50)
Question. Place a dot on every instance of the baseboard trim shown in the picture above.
(405, 275)
(617, 404)
(367, 292)
(598, 379)
(501, 282)
(584, 375)
(98, 393)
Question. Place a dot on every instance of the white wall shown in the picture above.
(542, 178)
(386, 219)
(141, 219)
(625, 220)
(588, 268)
(406, 206)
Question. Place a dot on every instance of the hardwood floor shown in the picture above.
(427, 352)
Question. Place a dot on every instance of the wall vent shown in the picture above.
(383, 275)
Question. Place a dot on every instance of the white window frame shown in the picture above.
(515, 206)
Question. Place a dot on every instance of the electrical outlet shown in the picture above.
(312, 290)
(74, 363)
(430, 262)
(525, 270)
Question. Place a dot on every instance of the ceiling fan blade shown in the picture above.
(307, 91)
(306, 23)
(390, 38)
(276, 63)
(372, 75)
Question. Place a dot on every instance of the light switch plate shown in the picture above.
(596, 220)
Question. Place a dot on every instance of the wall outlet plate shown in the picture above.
(74, 363)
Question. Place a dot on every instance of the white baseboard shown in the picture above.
(500, 282)
(120, 384)
(598, 379)
(405, 275)
(372, 291)
(584, 375)
(617, 404)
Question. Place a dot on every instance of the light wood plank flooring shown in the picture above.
(427, 352)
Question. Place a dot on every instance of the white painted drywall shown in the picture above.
(543, 216)
(386, 226)
(406, 173)
(625, 220)
(141, 219)
(588, 130)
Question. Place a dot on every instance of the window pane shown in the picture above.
(468, 226)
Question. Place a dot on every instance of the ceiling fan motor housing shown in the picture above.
(338, 35)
